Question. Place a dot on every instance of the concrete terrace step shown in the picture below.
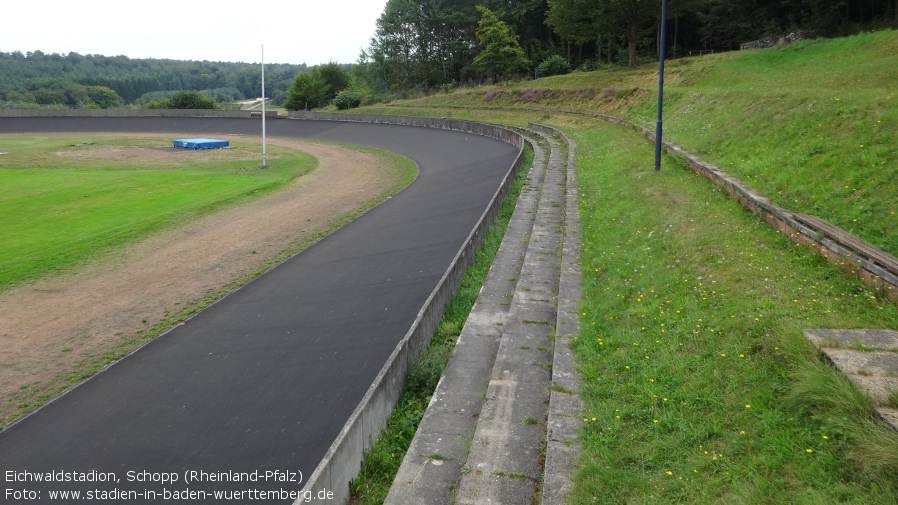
(484, 436)
(505, 463)
(431, 468)
(869, 359)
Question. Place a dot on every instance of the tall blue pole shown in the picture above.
(661, 84)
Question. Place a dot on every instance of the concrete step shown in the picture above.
(869, 359)
(505, 463)
(435, 460)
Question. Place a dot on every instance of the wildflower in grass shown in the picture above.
(669, 472)
(809, 450)
(748, 405)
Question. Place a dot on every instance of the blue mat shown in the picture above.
(200, 143)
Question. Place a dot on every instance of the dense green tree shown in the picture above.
(103, 97)
(396, 46)
(501, 54)
(553, 65)
(580, 22)
(527, 18)
(192, 100)
(426, 43)
(308, 91)
(334, 77)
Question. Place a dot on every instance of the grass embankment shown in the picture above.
(812, 126)
(383, 459)
(68, 199)
(697, 382)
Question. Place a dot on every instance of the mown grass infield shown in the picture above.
(66, 199)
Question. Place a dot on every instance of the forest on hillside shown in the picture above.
(37, 79)
(425, 45)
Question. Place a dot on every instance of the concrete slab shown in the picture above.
(434, 465)
(863, 338)
(878, 388)
(867, 358)
(515, 402)
(564, 417)
(524, 365)
(866, 363)
(564, 367)
(480, 488)
(560, 461)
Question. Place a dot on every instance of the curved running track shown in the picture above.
(265, 379)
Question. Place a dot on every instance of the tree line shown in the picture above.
(75, 80)
(423, 44)
(426, 45)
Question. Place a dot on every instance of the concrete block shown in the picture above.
(871, 363)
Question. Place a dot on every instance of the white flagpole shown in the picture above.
(264, 164)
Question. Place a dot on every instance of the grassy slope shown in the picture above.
(698, 384)
(71, 208)
(813, 126)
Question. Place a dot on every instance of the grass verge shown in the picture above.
(382, 461)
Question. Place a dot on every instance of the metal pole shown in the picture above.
(264, 162)
(658, 140)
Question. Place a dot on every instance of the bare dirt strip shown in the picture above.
(48, 328)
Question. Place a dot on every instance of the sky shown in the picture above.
(297, 31)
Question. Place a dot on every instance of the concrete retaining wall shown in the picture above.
(485, 129)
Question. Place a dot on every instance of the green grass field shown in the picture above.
(64, 200)
(698, 384)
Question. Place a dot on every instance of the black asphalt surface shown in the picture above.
(263, 380)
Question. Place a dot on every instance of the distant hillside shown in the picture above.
(37, 79)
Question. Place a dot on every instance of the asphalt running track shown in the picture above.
(264, 379)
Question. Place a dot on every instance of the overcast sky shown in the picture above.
(297, 31)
